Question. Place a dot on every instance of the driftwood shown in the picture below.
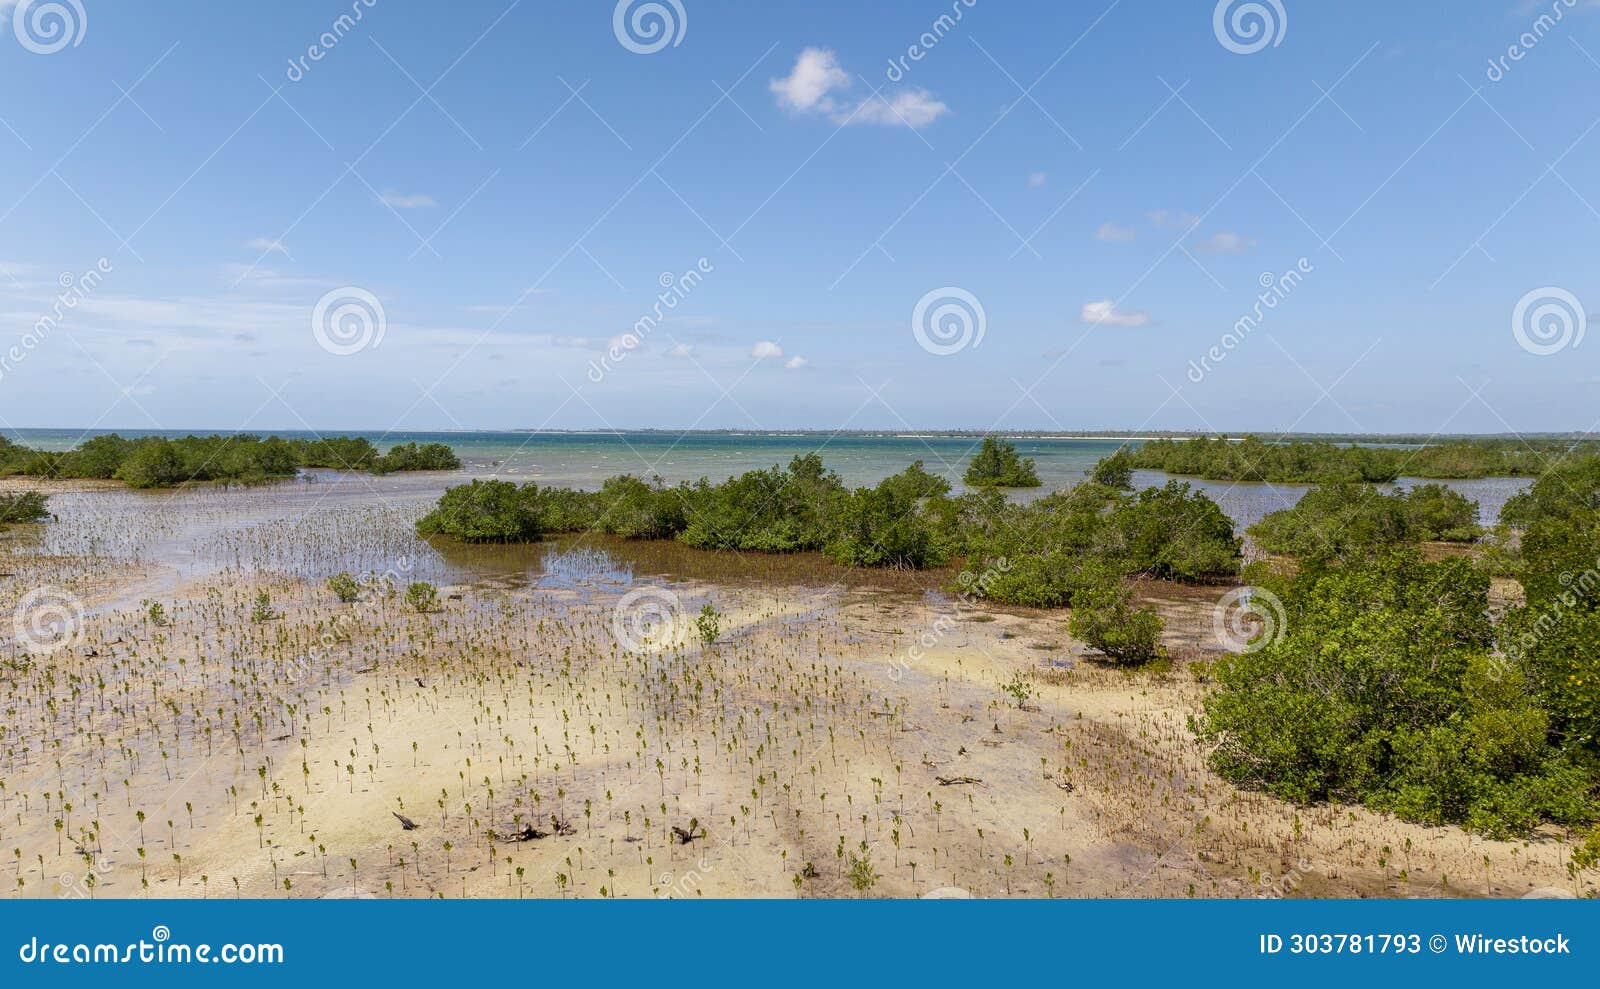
(957, 780)
(406, 823)
(684, 837)
(528, 833)
(561, 826)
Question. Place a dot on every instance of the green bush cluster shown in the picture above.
(1059, 544)
(906, 521)
(997, 465)
(486, 512)
(1103, 616)
(1344, 520)
(1385, 688)
(410, 456)
(158, 462)
(1115, 471)
(1555, 636)
(1301, 462)
(781, 510)
(22, 506)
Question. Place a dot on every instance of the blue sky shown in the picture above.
(510, 183)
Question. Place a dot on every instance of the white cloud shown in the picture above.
(1168, 219)
(1036, 179)
(267, 245)
(1113, 234)
(795, 362)
(680, 350)
(1104, 313)
(400, 200)
(765, 349)
(817, 76)
(912, 108)
(1227, 242)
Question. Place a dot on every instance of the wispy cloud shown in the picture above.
(1169, 219)
(765, 349)
(1037, 179)
(914, 108)
(1227, 242)
(401, 200)
(810, 86)
(265, 244)
(1113, 234)
(796, 362)
(1104, 313)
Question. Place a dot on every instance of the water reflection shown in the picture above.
(581, 567)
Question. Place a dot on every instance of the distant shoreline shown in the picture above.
(1022, 434)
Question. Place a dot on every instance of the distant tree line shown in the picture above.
(156, 462)
(1301, 462)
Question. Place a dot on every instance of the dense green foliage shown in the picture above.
(157, 462)
(1057, 545)
(998, 466)
(1438, 513)
(906, 521)
(344, 586)
(1300, 462)
(410, 456)
(22, 506)
(1384, 690)
(1115, 471)
(772, 511)
(1346, 520)
(486, 512)
(888, 525)
(1103, 616)
(1555, 637)
(1172, 532)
